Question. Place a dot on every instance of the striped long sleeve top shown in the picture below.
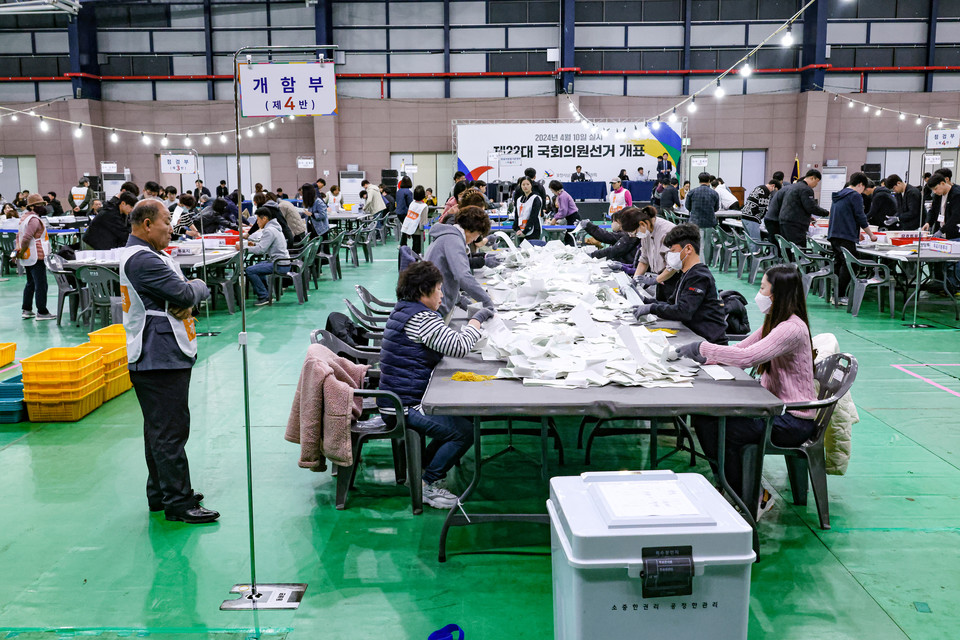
(787, 348)
(427, 328)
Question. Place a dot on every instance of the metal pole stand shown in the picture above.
(206, 303)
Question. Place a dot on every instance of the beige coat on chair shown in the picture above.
(324, 408)
(838, 441)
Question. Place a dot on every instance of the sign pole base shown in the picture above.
(281, 595)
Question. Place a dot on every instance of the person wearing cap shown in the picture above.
(619, 197)
(81, 197)
(33, 245)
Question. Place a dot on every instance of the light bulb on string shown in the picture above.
(32, 112)
(645, 132)
(43, 125)
(878, 112)
(585, 124)
(673, 116)
(291, 118)
(787, 39)
(593, 129)
(850, 104)
(249, 133)
(271, 125)
(14, 117)
(656, 124)
(866, 108)
(576, 117)
(163, 141)
(620, 135)
(918, 120)
(693, 105)
(570, 105)
(902, 117)
(940, 123)
(262, 130)
(187, 142)
(605, 133)
(114, 137)
(78, 132)
(144, 138)
(223, 138)
(718, 92)
(206, 140)
(746, 70)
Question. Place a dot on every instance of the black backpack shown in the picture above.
(735, 306)
(344, 328)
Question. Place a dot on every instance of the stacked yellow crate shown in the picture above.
(113, 341)
(63, 384)
(8, 352)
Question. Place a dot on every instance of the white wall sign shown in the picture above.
(108, 167)
(410, 169)
(948, 164)
(554, 149)
(305, 162)
(178, 163)
(698, 161)
(931, 159)
(943, 138)
(833, 180)
(287, 88)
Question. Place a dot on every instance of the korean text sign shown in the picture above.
(287, 88)
(178, 163)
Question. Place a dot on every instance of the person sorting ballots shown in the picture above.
(695, 301)
(449, 253)
(783, 354)
(158, 307)
(415, 339)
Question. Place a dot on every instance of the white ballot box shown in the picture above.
(647, 554)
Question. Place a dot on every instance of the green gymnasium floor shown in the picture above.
(81, 555)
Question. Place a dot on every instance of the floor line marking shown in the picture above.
(927, 380)
(13, 366)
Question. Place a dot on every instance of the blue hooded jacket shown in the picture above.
(846, 215)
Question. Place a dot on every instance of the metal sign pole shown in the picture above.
(255, 595)
(918, 276)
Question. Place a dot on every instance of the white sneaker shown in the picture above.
(435, 495)
(26, 315)
(46, 316)
(844, 301)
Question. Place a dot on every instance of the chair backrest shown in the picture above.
(367, 322)
(8, 242)
(835, 375)
(100, 281)
(785, 250)
(332, 245)
(372, 305)
(309, 254)
(342, 349)
(855, 265)
(54, 263)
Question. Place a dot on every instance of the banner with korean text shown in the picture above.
(555, 149)
(273, 89)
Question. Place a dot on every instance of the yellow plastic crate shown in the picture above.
(113, 357)
(60, 361)
(8, 352)
(60, 393)
(114, 335)
(115, 385)
(66, 411)
(92, 373)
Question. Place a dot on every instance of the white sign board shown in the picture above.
(410, 169)
(1, 165)
(948, 164)
(108, 167)
(833, 180)
(555, 149)
(287, 88)
(931, 159)
(698, 161)
(305, 162)
(943, 138)
(178, 163)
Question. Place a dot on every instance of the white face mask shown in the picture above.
(644, 234)
(764, 302)
(674, 261)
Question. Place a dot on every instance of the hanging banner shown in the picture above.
(555, 149)
(287, 88)
(178, 162)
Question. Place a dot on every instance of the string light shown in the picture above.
(163, 141)
(850, 104)
(878, 112)
(787, 40)
(249, 133)
(656, 124)
(223, 138)
(902, 117)
(593, 129)
(673, 116)
(270, 124)
(144, 138)
(940, 123)
(718, 92)
(262, 130)
(114, 137)
(605, 133)
(919, 121)
(206, 140)
(78, 132)
(692, 107)
(746, 70)
(187, 142)
(43, 125)
(14, 117)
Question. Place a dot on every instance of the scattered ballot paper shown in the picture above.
(717, 372)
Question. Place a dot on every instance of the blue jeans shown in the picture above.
(258, 277)
(451, 437)
(36, 287)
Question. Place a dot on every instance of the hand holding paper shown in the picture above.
(641, 310)
(691, 350)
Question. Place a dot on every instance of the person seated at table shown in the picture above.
(598, 236)
(185, 225)
(695, 301)
(430, 200)
(847, 219)
(641, 176)
(273, 246)
(468, 197)
(527, 218)
(213, 218)
(624, 250)
(336, 200)
(566, 210)
(684, 189)
(56, 208)
(95, 207)
(415, 339)
(111, 228)
(274, 208)
(624, 176)
(292, 218)
(170, 198)
(454, 199)
(9, 217)
(448, 251)
(782, 352)
(578, 175)
(670, 195)
(650, 268)
(619, 198)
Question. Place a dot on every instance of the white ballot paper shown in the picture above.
(717, 372)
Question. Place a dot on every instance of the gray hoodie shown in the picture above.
(271, 244)
(448, 252)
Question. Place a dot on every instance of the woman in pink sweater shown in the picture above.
(782, 353)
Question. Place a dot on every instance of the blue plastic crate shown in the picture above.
(12, 388)
(12, 411)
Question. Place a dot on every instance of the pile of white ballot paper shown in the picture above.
(571, 324)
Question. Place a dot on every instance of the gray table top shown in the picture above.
(742, 396)
(891, 252)
(214, 256)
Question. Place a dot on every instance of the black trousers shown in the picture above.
(773, 229)
(795, 233)
(163, 395)
(36, 286)
(417, 241)
(840, 265)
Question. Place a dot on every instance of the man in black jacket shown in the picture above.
(909, 205)
(945, 218)
(670, 195)
(883, 204)
(799, 204)
(111, 227)
(696, 302)
(934, 217)
(578, 175)
(200, 190)
(538, 189)
(664, 167)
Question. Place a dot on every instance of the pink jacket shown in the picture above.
(324, 408)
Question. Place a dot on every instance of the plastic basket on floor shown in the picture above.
(58, 393)
(117, 384)
(113, 357)
(12, 411)
(12, 388)
(8, 352)
(111, 336)
(67, 411)
(61, 361)
(70, 378)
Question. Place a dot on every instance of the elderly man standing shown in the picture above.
(161, 350)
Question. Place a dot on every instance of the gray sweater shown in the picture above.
(271, 244)
(448, 252)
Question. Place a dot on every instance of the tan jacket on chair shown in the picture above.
(324, 408)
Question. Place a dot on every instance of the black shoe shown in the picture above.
(196, 515)
(155, 508)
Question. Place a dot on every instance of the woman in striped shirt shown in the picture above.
(782, 352)
(414, 341)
